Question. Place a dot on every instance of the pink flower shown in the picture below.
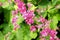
(39, 26)
(30, 21)
(32, 28)
(43, 33)
(16, 26)
(21, 7)
(29, 17)
(51, 38)
(14, 19)
(57, 38)
(42, 19)
(27, 14)
(53, 33)
(14, 13)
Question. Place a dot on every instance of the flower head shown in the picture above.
(33, 28)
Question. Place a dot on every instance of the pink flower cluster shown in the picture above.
(48, 32)
(42, 20)
(14, 19)
(29, 17)
(27, 14)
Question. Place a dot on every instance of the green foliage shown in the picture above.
(21, 19)
(1, 36)
(24, 33)
(19, 35)
(3, 0)
(54, 23)
(47, 37)
(33, 35)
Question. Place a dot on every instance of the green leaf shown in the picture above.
(38, 38)
(29, 0)
(11, 36)
(54, 22)
(43, 3)
(5, 5)
(21, 19)
(54, 2)
(3, 0)
(3, 25)
(44, 14)
(19, 34)
(58, 16)
(26, 31)
(52, 11)
(7, 29)
(1, 36)
(33, 35)
(7, 15)
(27, 38)
(47, 37)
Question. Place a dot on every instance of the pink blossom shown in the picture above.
(51, 38)
(21, 7)
(32, 28)
(16, 26)
(14, 13)
(57, 38)
(29, 17)
(39, 26)
(30, 21)
(14, 19)
(53, 33)
(42, 19)
(43, 33)
(27, 14)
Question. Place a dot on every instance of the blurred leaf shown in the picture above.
(58, 16)
(47, 37)
(54, 2)
(7, 15)
(7, 28)
(3, 25)
(11, 36)
(1, 36)
(52, 11)
(44, 14)
(43, 3)
(33, 8)
(21, 19)
(29, 0)
(33, 35)
(19, 34)
(3, 0)
(26, 31)
(38, 38)
(27, 38)
(5, 5)
(54, 23)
